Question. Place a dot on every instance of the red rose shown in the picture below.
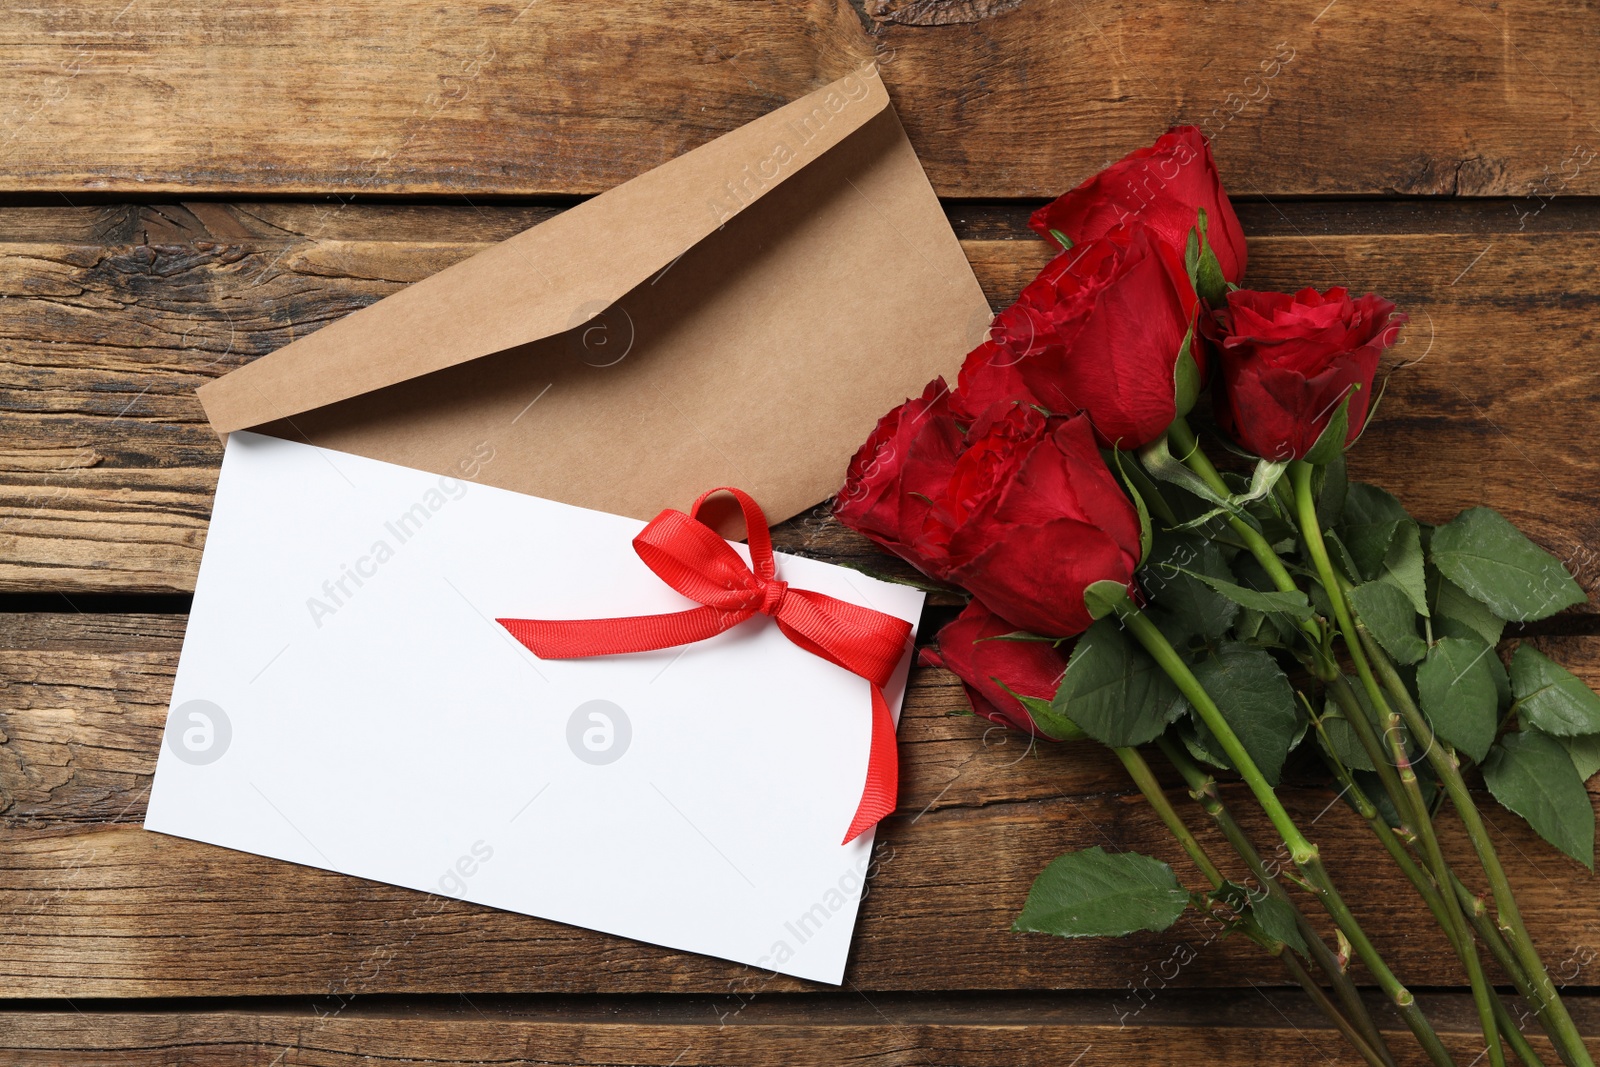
(989, 376)
(1032, 517)
(892, 479)
(1162, 186)
(1100, 331)
(1288, 362)
(988, 667)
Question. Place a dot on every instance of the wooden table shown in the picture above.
(188, 186)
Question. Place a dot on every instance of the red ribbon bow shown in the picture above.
(692, 558)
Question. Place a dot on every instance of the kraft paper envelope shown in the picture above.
(741, 315)
(346, 700)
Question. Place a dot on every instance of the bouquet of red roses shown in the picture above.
(1124, 590)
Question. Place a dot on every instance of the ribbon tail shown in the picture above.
(879, 795)
(578, 638)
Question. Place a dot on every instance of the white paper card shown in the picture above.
(345, 700)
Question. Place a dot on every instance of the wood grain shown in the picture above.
(1258, 1027)
(1002, 99)
(96, 906)
(112, 316)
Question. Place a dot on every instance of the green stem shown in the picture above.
(1378, 1057)
(1188, 450)
(1145, 779)
(1453, 920)
(1513, 1036)
(1434, 899)
(1203, 787)
(1478, 916)
(1546, 1000)
(1301, 851)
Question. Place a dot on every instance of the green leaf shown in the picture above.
(1491, 560)
(1275, 916)
(1204, 269)
(1257, 700)
(1343, 561)
(1551, 697)
(1116, 693)
(1532, 775)
(1257, 628)
(1502, 683)
(1339, 737)
(1403, 565)
(1242, 494)
(1333, 485)
(1061, 239)
(1168, 581)
(1102, 598)
(1095, 893)
(1210, 283)
(1457, 692)
(1585, 753)
(1163, 465)
(1455, 614)
(1386, 610)
(1294, 604)
(1371, 517)
(1330, 443)
(1187, 381)
(1146, 534)
(1203, 748)
(1058, 726)
(1372, 785)
(1262, 480)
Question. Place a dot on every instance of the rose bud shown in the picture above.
(1034, 517)
(1164, 186)
(1289, 362)
(905, 462)
(974, 649)
(1102, 330)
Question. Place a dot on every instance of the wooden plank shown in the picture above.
(99, 907)
(1001, 99)
(1249, 1027)
(112, 316)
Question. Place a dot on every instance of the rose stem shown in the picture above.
(1305, 855)
(1145, 779)
(1411, 792)
(1424, 883)
(1400, 782)
(1203, 787)
(1478, 915)
(1195, 457)
(1546, 998)
(1184, 439)
(1188, 448)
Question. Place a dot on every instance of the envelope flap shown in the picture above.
(550, 278)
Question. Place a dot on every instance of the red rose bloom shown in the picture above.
(1162, 186)
(903, 465)
(1100, 330)
(987, 667)
(989, 376)
(1288, 362)
(1032, 517)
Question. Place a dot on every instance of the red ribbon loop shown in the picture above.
(692, 558)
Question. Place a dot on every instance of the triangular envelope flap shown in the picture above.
(544, 281)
